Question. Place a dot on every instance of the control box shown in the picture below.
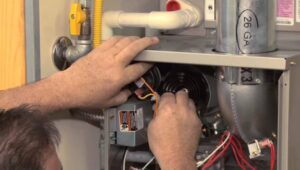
(128, 123)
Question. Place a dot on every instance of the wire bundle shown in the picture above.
(227, 141)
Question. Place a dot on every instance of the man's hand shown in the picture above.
(94, 81)
(174, 132)
(97, 79)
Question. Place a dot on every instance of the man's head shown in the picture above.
(28, 140)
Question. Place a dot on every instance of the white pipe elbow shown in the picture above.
(174, 20)
(185, 18)
(110, 21)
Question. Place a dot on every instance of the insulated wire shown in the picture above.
(153, 92)
(124, 159)
(273, 156)
(148, 163)
(235, 144)
(200, 163)
(268, 143)
(145, 97)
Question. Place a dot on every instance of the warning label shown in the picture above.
(285, 12)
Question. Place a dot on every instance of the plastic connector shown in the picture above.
(254, 150)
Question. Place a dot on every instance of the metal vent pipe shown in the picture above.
(246, 26)
(247, 96)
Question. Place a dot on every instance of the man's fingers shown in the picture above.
(192, 105)
(166, 104)
(182, 98)
(120, 98)
(130, 52)
(122, 44)
(135, 71)
(109, 43)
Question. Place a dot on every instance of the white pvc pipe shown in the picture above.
(154, 20)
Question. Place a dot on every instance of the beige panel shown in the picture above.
(53, 24)
(79, 146)
(12, 44)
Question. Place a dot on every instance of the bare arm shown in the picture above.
(46, 95)
(174, 132)
(94, 81)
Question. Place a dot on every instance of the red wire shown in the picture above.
(242, 156)
(273, 156)
(237, 159)
(215, 157)
(238, 142)
(238, 145)
(269, 143)
(237, 149)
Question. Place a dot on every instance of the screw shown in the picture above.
(274, 135)
(218, 116)
(73, 16)
(258, 81)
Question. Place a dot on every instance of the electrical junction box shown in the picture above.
(128, 123)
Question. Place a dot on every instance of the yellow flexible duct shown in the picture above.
(97, 28)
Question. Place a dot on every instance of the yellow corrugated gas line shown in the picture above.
(97, 28)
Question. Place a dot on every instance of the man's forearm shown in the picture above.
(95, 81)
(47, 95)
(178, 163)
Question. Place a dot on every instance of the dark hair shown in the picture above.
(26, 135)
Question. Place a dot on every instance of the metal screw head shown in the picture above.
(293, 63)
(73, 16)
(258, 81)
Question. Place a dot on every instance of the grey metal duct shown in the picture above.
(250, 110)
(247, 96)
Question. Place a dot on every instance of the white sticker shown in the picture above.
(139, 83)
(140, 118)
(285, 12)
(285, 21)
(297, 10)
(209, 10)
